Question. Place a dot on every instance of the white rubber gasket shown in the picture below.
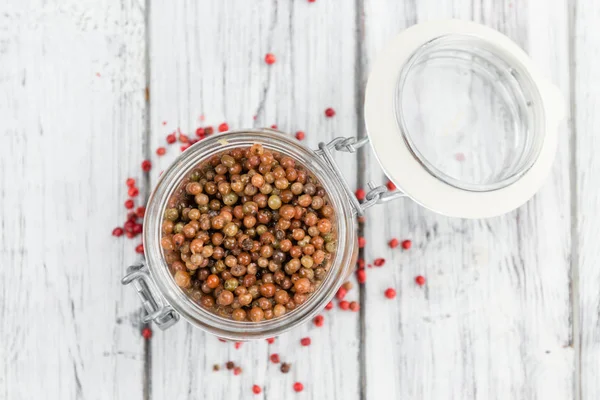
(406, 171)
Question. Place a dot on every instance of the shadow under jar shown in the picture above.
(212, 317)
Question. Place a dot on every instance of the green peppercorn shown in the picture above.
(171, 214)
(274, 202)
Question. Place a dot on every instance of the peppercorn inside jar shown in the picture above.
(249, 234)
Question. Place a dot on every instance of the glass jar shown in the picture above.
(460, 121)
(170, 301)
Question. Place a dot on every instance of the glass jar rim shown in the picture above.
(193, 312)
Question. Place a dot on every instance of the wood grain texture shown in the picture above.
(585, 78)
(69, 138)
(493, 320)
(211, 63)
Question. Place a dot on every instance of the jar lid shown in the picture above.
(461, 120)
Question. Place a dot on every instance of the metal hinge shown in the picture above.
(376, 194)
(155, 306)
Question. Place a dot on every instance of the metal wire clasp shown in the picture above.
(376, 194)
(156, 310)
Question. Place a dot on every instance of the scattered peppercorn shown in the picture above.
(230, 365)
(130, 182)
(200, 132)
(146, 165)
(117, 232)
(420, 280)
(139, 249)
(360, 194)
(344, 305)
(329, 112)
(270, 58)
(329, 306)
(161, 151)
(305, 341)
(256, 389)
(274, 126)
(274, 358)
(361, 276)
(285, 367)
(223, 127)
(271, 340)
(406, 244)
(133, 191)
(237, 345)
(391, 186)
(140, 212)
(237, 370)
(341, 293)
(319, 320)
(393, 243)
(354, 306)
(379, 262)
(298, 387)
(216, 367)
(361, 242)
(390, 293)
(129, 204)
(249, 234)
(147, 333)
(300, 135)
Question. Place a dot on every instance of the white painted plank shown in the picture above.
(585, 80)
(207, 58)
(493, 320)
(69, 139)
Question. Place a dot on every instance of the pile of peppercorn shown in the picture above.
(249, 234)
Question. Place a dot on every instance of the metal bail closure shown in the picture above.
(461, 120)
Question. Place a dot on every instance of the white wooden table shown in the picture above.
(510, 309)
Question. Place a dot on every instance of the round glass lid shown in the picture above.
(471, 118)
(460, 119)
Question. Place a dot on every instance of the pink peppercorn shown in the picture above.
(406, 244)
(133, 191)
(341, 293)
(140, 212)
(361, 276)
(223, 127)
(390, 293)
(117, 232)
(344, 305)
(256, 389)
(360, 194)
(298, 387)
(200, 132)
(420, 280)
(319, 320)
(129, 204)
(171, 138)
(354, 306)
(361, 242)
(300, 135)
(161, 151)
(271, 340)
(130, 182)
(237, 345)
(305, 341)
(393, 243)
(146, 165)
(274, 358)
(329, 306)
(270, 58)
(139, 249)
(147, 333)
(391, 186)
(237, 371)
(379, 262)
(329, 112)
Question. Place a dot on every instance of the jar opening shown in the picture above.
(469, 112)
